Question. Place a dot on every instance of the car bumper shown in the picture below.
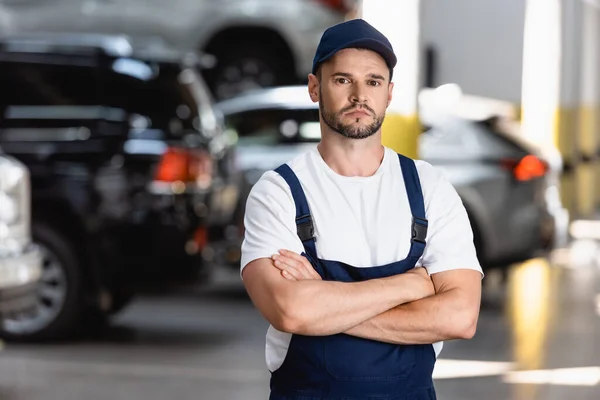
(222, 203)
(525, 233)
(19, 276)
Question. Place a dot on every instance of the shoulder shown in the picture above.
(433, 179)
(427, 172)
(429, 175)
(436, 187)
(273, 189)
(303, 163)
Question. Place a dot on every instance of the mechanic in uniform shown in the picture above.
(361, 259)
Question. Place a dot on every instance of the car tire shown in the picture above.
(60, 294)
(248, 65)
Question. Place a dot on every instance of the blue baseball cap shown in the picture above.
(355, 33)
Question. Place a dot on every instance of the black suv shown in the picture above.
(125, 153)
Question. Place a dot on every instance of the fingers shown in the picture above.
(292, 255)
(291, 267)
(288, 276)
(303, 262)
(294, 266)
(288, 268)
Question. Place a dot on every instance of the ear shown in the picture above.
(390, 90)
(313, 87)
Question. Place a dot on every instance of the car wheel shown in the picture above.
(245, 67)
(59, 302)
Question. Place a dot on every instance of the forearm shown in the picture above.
(444, 316)
(320, 308)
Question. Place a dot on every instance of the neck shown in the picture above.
(352, 157)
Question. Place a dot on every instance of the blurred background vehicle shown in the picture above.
(506, 184)
(256, 43)
(5, 20)
(124, 148)
(20, 260)
(138, 188)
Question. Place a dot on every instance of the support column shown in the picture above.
(541, 122)
(588, 176)
(400, 22)
(541, 70)
(552, 90)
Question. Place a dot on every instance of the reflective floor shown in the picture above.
(537, 338)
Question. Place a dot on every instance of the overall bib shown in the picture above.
(346, 367)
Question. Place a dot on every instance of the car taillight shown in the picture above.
(342, 6)
(186, 166)
(528, 168)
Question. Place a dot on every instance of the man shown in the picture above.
(362, 260)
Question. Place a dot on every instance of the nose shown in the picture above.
(357, 96)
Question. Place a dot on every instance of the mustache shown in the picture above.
(358, 107)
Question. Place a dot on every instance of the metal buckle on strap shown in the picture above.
(419, 229)
(305, 229)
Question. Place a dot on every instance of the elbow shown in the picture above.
(465, 327)
(293, 324)
(468, 332)
(286, 323)
(290, 319)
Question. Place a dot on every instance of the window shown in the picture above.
(275, 126)
(44, 84)
(153, 94)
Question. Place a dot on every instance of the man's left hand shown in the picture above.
(294, 267)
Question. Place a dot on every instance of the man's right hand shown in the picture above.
(294, 267)
(422, 283)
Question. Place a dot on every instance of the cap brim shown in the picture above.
(367, 43)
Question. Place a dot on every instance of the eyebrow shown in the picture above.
(348, 75)
(376, 76)
(344, 74)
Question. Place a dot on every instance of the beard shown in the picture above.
(334, 121)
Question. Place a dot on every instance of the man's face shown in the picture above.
(353, 92)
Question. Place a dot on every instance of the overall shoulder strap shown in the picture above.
(304, 222)
(417, 207)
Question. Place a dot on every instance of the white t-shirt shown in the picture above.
(360, 221)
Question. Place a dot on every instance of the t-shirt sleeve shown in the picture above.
(270, 220)
(449, 235)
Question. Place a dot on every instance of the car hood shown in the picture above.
(265, 158)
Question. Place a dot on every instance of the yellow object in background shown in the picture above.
(400, 23)
(401, 133)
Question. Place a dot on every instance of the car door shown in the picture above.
(147, 19)
(47, 15)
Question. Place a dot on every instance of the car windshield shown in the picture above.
(274, 126)
(161, 97)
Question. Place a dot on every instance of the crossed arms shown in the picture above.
(410, 308)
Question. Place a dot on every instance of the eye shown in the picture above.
(374, 83)
(342, 80)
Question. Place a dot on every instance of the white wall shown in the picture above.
(479, 44)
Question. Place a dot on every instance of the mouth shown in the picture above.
(358, 113)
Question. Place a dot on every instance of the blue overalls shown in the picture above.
(343, 366)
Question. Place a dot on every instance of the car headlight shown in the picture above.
(14, 192)
(9, 209)
(11, 174)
